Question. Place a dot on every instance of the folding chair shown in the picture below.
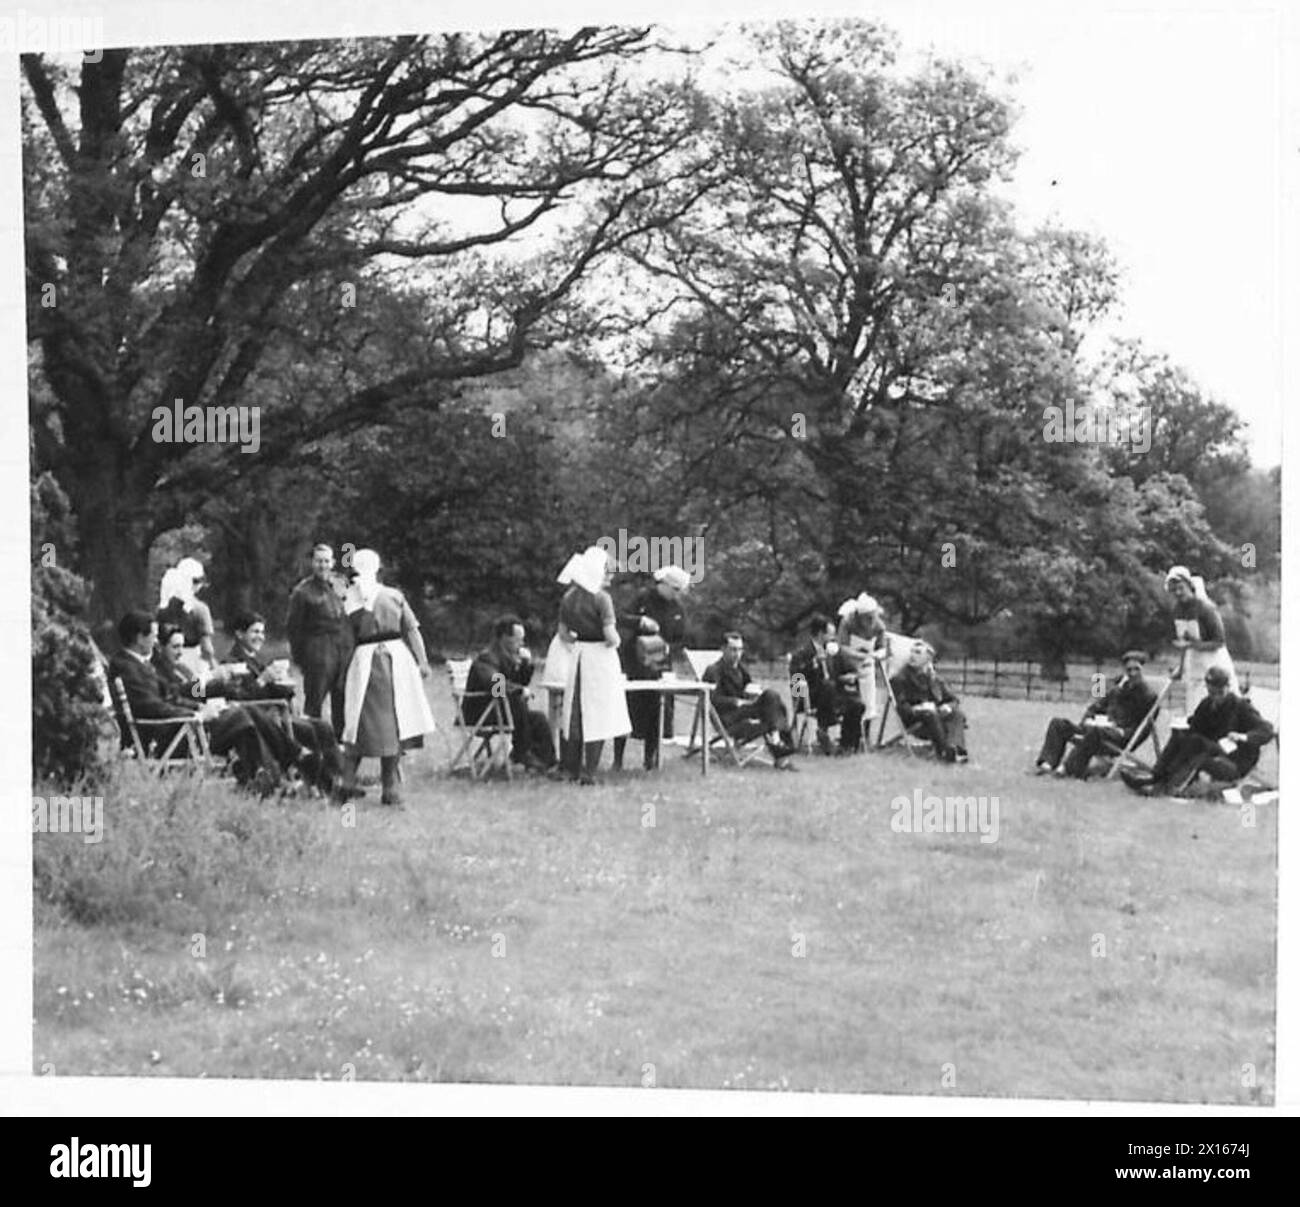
(908, 735)
(1125, 756)
(189, 730)
(485, 744)
(742, 749)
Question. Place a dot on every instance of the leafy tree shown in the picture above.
(185, 205)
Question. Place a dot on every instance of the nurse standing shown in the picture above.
(1198, 633)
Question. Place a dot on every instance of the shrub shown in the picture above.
(71, 730)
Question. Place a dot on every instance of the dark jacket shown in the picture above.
(150, 696)
(246, 687)
(1235, 714)
(483, 676)
(913, 686)
(315, 611)
(822, 674)
(1126, 704)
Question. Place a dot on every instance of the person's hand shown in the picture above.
(1228, 744)
(1238, 737)
(1180, 643)
(945, 709)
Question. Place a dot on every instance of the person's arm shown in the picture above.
(1252, 729)
(608, 622)
(410, 627)
(293, 625)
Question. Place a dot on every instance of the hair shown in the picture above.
(322, 547)
(732, 635)
(817, 623)
(503, 626)
(133, 625)
(246, 620)
(168, 629)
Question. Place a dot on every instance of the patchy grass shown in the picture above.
(766, 931)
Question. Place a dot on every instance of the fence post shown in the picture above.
(995, 677)
(1029, 679)
(964, 661)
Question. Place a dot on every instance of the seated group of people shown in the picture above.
(1223, 737)
(233, 701)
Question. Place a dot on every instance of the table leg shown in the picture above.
(704, 726)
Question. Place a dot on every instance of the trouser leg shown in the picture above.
(1059, 732)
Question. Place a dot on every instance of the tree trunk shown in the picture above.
(114, 534)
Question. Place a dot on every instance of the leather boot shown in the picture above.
(345, 785)
(390, 776)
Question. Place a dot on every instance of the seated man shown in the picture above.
(1115, 717)
(211, 691)
(1223, 738)
(745, 716)
(506, 667)
(827, 678)
(257, 679)
(925, 702)
(152, 699)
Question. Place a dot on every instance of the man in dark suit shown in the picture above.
(925, 701)
(320, 638)
(1115, 717)
(153, 698)
(824, 675)
(746, 716)
(505, 669)
(1223, 738)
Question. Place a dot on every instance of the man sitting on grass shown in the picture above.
(927, 703)
(1113, 718)
(743, 715)
(1223, 738)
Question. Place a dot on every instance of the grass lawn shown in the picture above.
(767, 931)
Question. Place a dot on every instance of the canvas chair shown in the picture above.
(909, 737)
(743, 748)
(1125, 757)
(189, 736)
(484, 745)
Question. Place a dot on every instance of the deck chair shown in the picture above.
(741, 748)
(909, 737)
(484, 745)
(190, 736)
(1125, 756)
(803, 717)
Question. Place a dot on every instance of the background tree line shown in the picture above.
(498, 295)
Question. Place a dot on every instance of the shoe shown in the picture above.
(784, 764)
(1137, 780)
(589, 781)
(962, 756)
(1059, 772)
(1041, 768)
(823, 741)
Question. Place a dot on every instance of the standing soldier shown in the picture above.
(320, 638)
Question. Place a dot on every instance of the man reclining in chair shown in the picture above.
(1114, 718)
(745, 716)
(1223, 738)
(506, 667)
(828, 679)
(926, 704)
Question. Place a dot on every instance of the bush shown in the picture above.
(71, 730)
(180, 851)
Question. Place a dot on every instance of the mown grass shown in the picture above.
(535, 933)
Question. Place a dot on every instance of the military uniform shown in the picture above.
(320, 642)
